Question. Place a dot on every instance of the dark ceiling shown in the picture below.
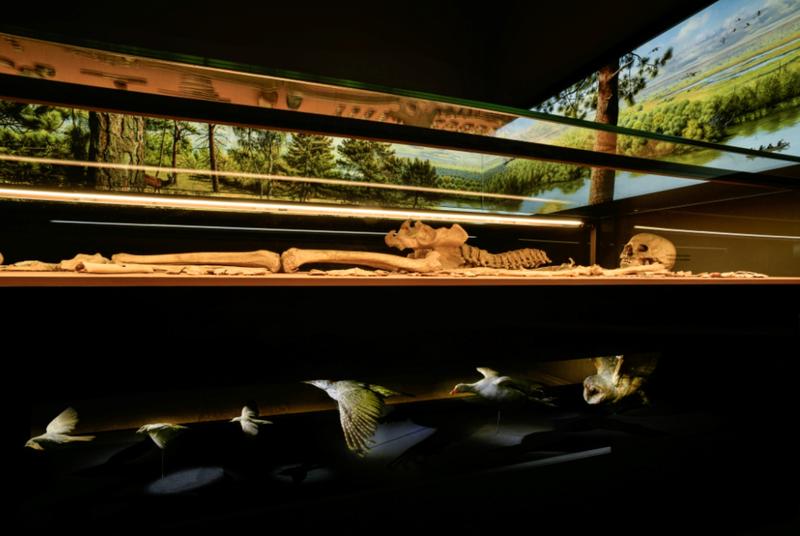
(513, 53)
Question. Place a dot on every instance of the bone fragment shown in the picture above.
(349, 272)
(223, 270)
(70, 265)
(567, 271)
(294, 258)
(30, 266)
(255, 259)
(112, 268)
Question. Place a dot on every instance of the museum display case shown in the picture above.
(196, 249)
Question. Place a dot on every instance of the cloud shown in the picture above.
(737, 17)
(692, 27)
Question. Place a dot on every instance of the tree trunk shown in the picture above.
(605, 142)
(212, 157)
(176, 136)
(117, 139)
(270, 164)
(77, 145)
(161, 149)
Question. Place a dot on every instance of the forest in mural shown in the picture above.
(184, 149)
(729, 75)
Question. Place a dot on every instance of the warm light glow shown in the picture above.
(716, 233)
(218, 227)
(268, 177)
(277, 208)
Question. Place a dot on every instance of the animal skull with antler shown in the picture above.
(646, 248)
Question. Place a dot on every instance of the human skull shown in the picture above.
(647, 248)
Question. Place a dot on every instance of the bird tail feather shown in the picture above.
(261, 421)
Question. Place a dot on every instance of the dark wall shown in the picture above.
(514, 53)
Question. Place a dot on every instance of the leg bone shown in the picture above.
(294, 258)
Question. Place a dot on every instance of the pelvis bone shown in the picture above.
(434, 249)
(455, 252)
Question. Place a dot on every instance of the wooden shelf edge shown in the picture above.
(40, 279)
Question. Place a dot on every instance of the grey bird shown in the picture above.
(504, 390)
(360, 407)
(57, 432)
(249, 420)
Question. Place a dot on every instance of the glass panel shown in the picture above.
(731, 77)
(78, 150)
(121, 71)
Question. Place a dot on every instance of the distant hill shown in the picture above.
(457, 172)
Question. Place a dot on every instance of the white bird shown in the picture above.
(249, 421)
(57, 432)
(360, 407)
(162, 433)
(504, 390)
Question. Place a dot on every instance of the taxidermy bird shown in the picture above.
(360, 407)
(57, 432)
(617, 378)
(504, 390)
(249, 420)
(162, 433)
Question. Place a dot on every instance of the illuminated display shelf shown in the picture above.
(37, 279)
(728, 217)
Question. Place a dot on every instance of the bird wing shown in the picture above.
(606, 365)
(640, 364)
(359, 411)
(65, 423)
(385, 392)
(261, 421)
(163, 433)
(249, 427)
(531, 391)
(487, 372)
(249, 412)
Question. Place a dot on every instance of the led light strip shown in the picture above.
(716, 233)
(267, 177)
(194, 227)
(277, 208)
